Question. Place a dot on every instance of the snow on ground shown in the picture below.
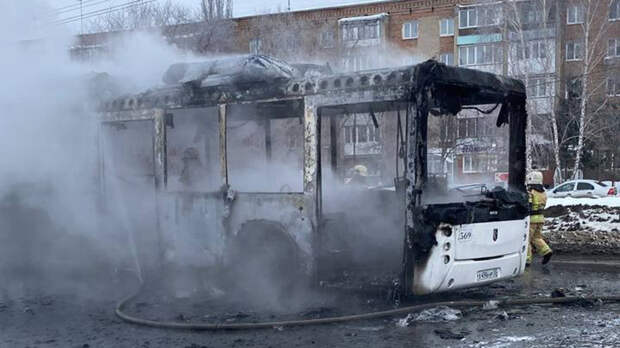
(567, 201)
(585, 218)
(583, 225)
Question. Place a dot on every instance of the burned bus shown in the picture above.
(237, 164)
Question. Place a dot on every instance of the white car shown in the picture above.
(582, 188)
(615, 185)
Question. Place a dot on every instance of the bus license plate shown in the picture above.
(487, 274)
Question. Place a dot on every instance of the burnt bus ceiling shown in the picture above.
(261, 78)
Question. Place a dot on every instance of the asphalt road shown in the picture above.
(56, 318)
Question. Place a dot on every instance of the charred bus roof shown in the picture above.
(256, 79)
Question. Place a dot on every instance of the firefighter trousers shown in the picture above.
(537, 241)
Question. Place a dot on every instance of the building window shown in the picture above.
(471, 127)
(371, 31)
(360, 31)
(356, 63)
(350, 33)
(574, 50)
(537, 88)
(362, 132)
(614, 10)
(613, 48)
(255, 46)
(468, 164)
(489, 15)
(435, 165)
(360, 135)
(410, 30)
(613, 86)
(480, 54)
(479, 163)
(446, 27)
(574, 14)
(468, 18)
(328, 39)
(447, 58)
(531, 14)
(532, 50)
(471, 17)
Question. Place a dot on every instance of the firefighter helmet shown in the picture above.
(534, 178)
(360, 170)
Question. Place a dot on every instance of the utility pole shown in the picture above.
(289, 5)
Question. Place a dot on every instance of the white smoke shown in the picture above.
(50, 217)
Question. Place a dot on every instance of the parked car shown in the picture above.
(615, 185)
(582, 188)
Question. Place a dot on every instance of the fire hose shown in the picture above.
(346, 318)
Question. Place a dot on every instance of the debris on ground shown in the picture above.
(491, 304)
(558, 292)
(406, 321)
(502, 316)
(449, 334)
(437, 314)
(443, 313)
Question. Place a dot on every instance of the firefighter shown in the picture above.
(359, 176)
(538, 200)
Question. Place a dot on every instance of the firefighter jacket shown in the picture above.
(538, 201)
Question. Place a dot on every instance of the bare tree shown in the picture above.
(592, 100)
(142, 16)
(216, 9)
(442, 136)
(204, 30)
(279, 35)
(210, 32)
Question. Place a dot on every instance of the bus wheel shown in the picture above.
(264, 262)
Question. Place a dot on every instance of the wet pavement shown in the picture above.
(48, 320)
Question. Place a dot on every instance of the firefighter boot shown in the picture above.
(547, 257)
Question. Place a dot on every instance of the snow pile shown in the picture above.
(610, 201)
(594, 218)
(581, 228)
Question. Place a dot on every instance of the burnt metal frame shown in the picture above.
(426, 86)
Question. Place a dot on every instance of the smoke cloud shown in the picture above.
(53, 233)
